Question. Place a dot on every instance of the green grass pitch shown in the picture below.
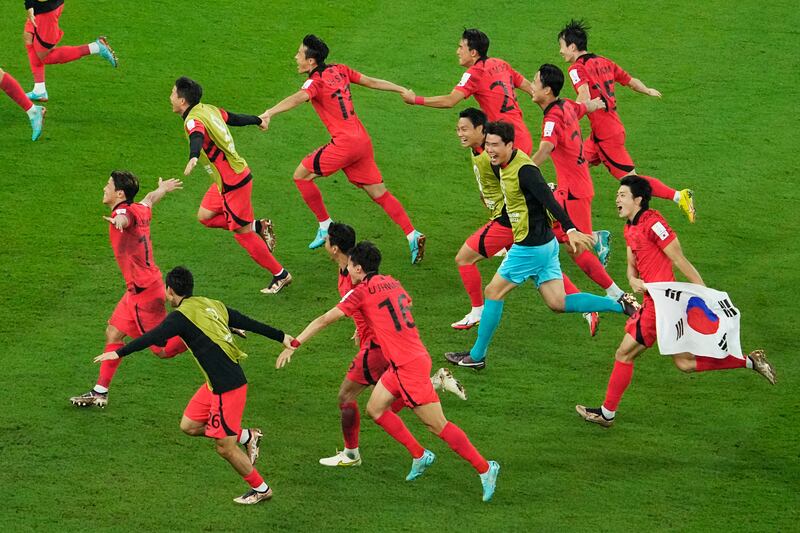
(714, 451)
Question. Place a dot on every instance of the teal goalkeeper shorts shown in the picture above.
(539, 263)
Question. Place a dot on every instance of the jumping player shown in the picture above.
(595, 76)
(216, 409)
(490, 80)
(386, 308)
(142, 306)
(653, 250)
(42, 34)
(369, 364)
(227, 203)
(534, 254)
(35, 113)
(350, 149)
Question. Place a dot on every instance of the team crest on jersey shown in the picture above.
(307, 84)
(659, 229)
(573, 74)
(464, 79)
(548, 128)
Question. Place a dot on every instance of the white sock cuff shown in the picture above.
(94, 48)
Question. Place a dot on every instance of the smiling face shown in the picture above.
(499, 152)
(627, 205)
(568, 52)
(540, 93)
(469, 135)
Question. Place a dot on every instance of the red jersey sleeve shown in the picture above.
(580, 110)
(354, 75)
(517, 78)
(551, 129)
(660, 233)
(620, 76)
(577, 75)
(224, 115)
(193, 125)
(311, 87)
(351, 301)
(469, 82)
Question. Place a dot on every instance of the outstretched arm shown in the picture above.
(445, 101)
(679, 261)
(164, 187)
(316, 325)
(637, 85)
(290, 102)
(242, 321)
(238, 120)
(381, 85)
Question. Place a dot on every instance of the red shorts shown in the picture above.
(353, 156)
(138, 312)
(490, 239)
(221, 413)
(611, 152)
(235, 203)
(579, 211)
(642, 325)
(368, 365)
(46, 34)
(412, 382)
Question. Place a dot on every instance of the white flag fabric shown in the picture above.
(695, 319)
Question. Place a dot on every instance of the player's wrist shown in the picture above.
(419, 100)
(571, 230)
(295, 344)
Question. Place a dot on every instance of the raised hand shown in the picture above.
(580, 241)
(172, 184)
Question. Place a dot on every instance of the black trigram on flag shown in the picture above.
(678, 328)
(728, 308)
(675, 295)
(723, 343)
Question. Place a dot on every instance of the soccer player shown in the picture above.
(42, 34)
(653, 251)
(595, 76)
(35, 113)
(490, 80)
(386, 308)
(534, 254)
(216, 409)
(494, 236)
(562, 142)
(350, 149)
(227, 203)
(142, 306)
(369, 364)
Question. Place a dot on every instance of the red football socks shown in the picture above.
(217, 221)
(395, 210)
(569, 287)
(37, 67)
(65, 54)
(705, 363)
(393, 425)
(351, 424)
(620, 379)
(459, 442)
(13, 89)
(109, 368)
(660, 190)
(258, 250)
(313, 198)
(591, 265)
(471, 278)
(254, 479)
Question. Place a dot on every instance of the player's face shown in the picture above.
(537, 89)
(499, 152)
(356, 272)
(110, 196)
(468, 134)
(329, 248)
(465, 57)
(626, 204)
(303, 63)
(176, 101)
(567, 52)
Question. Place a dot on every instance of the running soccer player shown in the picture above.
(35, 113)
(534, 254)
(595, 76)
(562, 142)
(653, 250)
(142, 306)
(369, 364)
(494, 236)
(386, 308)
(490, 80)
(216, 409)
(350, 149)
(227, 203)
(42, 34)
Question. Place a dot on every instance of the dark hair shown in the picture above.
(126, 182)
(476, 40)
(476, 116)
(189, 90)
(180, 280)
(640, 188)
(315, 48)
(341, 235)
(575, 33)
(551, 76)
(367, 256)
(503, 129)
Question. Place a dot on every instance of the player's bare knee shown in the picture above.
(27, 38)
(375, 411)
(684, 364)
(113, 335)
(623, 356)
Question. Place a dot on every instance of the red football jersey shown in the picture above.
(217, 156)
(561, 127)
(647, 236)
(600, 74)
(492, 82)
(365, 334)
(386, 307)
(329, 90)
(132, 246)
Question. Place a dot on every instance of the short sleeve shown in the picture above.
(468, 84)
(517, 78)
(620, 76)
(311, 87)
(660, 233)
(351, 301)
(550, 130)
(353, 75)
(580, 110)
(577, 75)
(224, 115)
(194, 126)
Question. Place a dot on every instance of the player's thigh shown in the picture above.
(226, 413)
(615, 156)
(629, 349)
(237, 206)
(211, 204)
(499, 287)
(367, 366)
(383, 395)
(414, 381)
(485, 242)
(47, 33)
(552, 292)
(590, 153)
(641, 328)
(350, 390)
(197, 411)
(123, 318)
(2, 73)
(468, 254)
(363, 171)
(327, 159)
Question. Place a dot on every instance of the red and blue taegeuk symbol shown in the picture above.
(700, 318)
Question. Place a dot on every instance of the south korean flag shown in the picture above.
(695, 319)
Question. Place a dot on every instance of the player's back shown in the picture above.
(601, 75)
(329, 90)
(647, 236)
(561, 127)
(365, 334)
(492, 82)
(132, 247)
